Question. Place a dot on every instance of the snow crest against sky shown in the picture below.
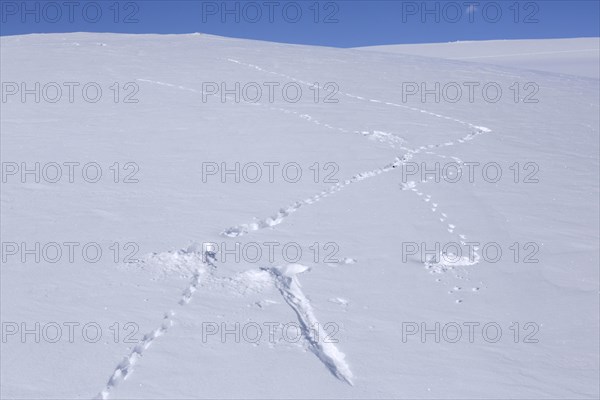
(344, 23)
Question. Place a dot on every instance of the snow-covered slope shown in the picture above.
(564, 56)
(340, 319)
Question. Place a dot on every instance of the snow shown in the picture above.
(580, 56)
(193, 308)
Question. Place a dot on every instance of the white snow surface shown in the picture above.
(174, 292)
(578, 56)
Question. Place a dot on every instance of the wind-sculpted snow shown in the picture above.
(312, 330)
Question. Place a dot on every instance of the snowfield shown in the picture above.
(566, 56)
(397, 226)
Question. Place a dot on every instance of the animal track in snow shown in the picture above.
(385, 137)
(283, 213)
(309, 84)
(344, 261)
(125, 367)
(394, 141)
(339, 300)
(286, 278)
(446, 262)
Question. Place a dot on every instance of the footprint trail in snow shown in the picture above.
(285, 278)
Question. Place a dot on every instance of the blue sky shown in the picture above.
(345, 23)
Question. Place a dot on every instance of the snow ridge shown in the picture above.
(327, 352)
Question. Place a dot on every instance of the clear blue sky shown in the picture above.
(345, 23)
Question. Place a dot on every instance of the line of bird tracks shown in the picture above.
(434, 266)
(285, 278)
